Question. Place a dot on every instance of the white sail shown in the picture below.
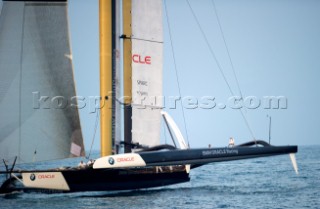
(39, 120)
(147, 55)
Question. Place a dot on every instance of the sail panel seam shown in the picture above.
(140, 39)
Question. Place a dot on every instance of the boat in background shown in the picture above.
(39, 107)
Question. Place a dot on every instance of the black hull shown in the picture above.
(121, 179)
(88, 179)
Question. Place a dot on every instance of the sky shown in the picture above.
(274, 47)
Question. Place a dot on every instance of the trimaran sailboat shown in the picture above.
(39, 120)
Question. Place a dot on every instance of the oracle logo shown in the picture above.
(125, 159)
(141, 60)
(45, 176)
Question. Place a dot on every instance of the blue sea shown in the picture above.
(256, 183)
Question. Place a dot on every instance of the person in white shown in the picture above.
(81, 164)
(231, 142)
(90, 162)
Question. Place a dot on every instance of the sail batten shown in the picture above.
(37, 84)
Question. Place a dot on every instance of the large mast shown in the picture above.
(127, 73)
(105, 32)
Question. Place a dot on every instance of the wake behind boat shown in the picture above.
(42, 122)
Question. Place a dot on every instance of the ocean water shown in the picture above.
(256, 183)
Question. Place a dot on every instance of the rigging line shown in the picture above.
(248, 125)
(232, 65)
(94, 133)
(218, 64)
(210, 49)
(225, 44)
(176, 70)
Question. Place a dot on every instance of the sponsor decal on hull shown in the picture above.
(45, 180)
(119, 161)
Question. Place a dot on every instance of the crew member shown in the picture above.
(90, 162)
(81, 164)
(231, 142)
